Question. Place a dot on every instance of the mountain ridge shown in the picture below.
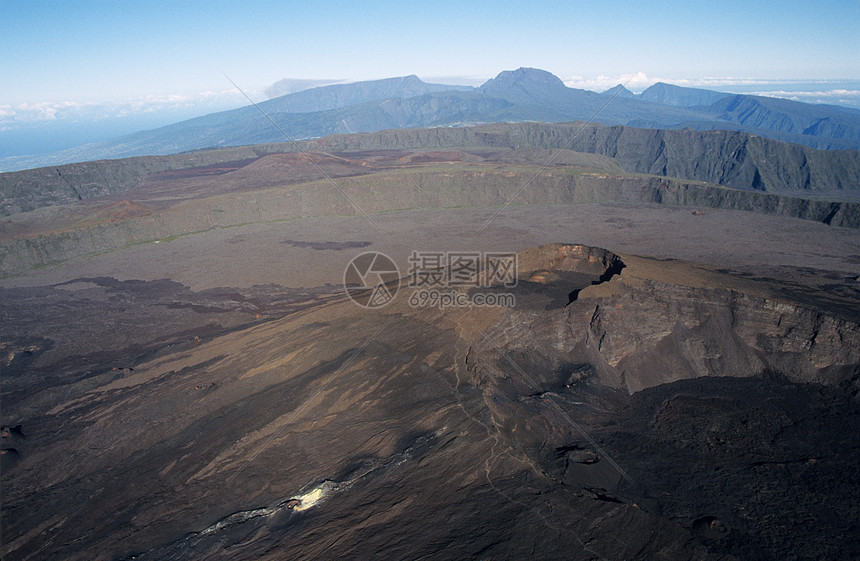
(680, 96)
(525, 94)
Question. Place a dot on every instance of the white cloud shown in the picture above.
(821, 93)
(636, 82)
(850, 98)
(34, 112)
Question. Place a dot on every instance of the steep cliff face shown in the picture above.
(656, 323)
(728, 158)
(660, 333)
(723, 157)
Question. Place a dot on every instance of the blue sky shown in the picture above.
(133, 56)
(86, 50)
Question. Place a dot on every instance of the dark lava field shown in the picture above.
(184, 375)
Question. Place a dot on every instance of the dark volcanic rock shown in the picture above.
(758, 468)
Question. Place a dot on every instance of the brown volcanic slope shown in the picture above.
(625, 408)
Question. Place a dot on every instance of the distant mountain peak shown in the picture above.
(335, 96)
(525, 75)
(622, 91)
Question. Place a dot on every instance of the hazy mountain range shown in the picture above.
(525, 94)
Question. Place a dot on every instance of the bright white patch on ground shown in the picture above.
(314, 496)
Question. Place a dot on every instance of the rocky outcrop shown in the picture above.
(660, 333)
(651, 325)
